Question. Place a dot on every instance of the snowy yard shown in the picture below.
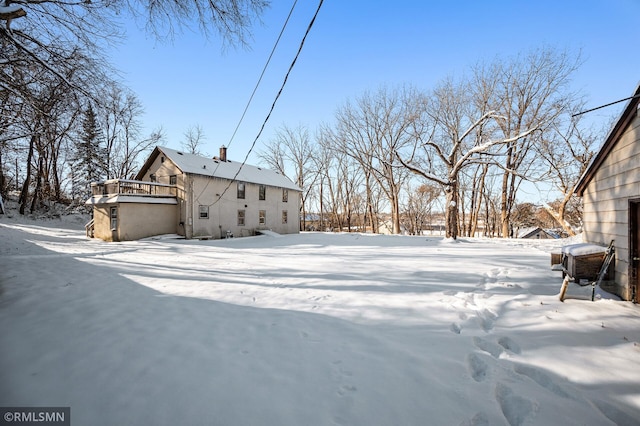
(309, 329)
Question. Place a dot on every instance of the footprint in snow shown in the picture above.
(307, 337)
(516, 409)
(542, 379)
(479, 419)
(491, 348)
(477, 367)
(342, 375)
(487, 319)
(615, 414)
(508, 343)
(346, 389)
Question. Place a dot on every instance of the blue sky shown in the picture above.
(358, 45)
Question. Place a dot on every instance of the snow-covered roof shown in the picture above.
(583, 249)
(527, 232)
(232, 170)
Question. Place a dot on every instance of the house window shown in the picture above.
(114, 218)
(262, 217)
(285, 217)
(262, 192)
(204, 212)
(241, 190)
(285, 195)
(240, 217)
(173, 179)
(152, 177)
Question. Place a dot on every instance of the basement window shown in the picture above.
(204, 212)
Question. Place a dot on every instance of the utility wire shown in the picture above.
(273, 105)
(604, 106)
(255, 89)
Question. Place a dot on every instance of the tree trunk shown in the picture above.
(321, 218)
(38, 190)
(303, 223)
(558, 216)
(477, 206)
(395, 213)
(2, 178)
(451, 211)
(370, 208)
(504, 217)
(24, 194)
(57, 191)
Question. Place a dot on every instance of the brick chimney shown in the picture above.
(223, 153)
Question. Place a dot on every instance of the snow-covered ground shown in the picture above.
(309, 329)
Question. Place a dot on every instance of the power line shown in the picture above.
(604, 106)
(262, 74)
(273, 105)
(255, 89)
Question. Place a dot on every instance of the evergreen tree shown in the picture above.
(88, 163)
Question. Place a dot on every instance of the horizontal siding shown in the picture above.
(625, 184)
(608, 228)
(608, 203)
(606, 200)
(623, 158)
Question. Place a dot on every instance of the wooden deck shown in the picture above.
(132, 187)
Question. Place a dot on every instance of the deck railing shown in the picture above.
(132, 187)
(90, 228)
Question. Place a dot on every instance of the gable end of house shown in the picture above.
(628, 114)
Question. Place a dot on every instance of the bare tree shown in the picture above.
(47, 116)
(291, 153)
(120, 114)
(193, 139)
(531, 93)
(53, 49)
(418, 207)
(494, 118)
(230, 19)
(340, 183)
(475, 188)
(460, 135)
(47, 34)
(567, 150)
(371, 132)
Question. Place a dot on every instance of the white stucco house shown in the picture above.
(196, 197)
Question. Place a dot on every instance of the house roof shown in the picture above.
(618, 129)
(528, 232)
(214, 167)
